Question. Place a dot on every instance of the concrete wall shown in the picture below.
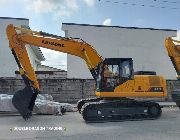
(8, 65)
(62, 90)
(145, 46)
(67, 90)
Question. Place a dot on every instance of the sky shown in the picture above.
(48, 16)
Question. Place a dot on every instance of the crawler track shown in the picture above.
(120, 110)
(87, 100)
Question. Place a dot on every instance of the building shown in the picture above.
(7, 62)
(47, 72)
(144, 45)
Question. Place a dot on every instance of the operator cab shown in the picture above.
(114, 72)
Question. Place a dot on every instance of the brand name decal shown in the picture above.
(52, 43)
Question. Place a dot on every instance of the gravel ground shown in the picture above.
(72, 127)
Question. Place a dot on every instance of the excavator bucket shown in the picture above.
(24, 100)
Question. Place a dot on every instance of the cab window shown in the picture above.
(126, 72)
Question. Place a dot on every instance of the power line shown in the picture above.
(165, 1)
(144, 5)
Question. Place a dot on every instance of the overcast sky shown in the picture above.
(48, 15)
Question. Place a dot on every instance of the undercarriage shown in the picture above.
(121, 109)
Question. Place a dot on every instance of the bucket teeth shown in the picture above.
(24, 100)
(27, 116)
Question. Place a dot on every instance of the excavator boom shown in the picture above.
(24, 99)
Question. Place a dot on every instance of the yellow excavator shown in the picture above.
(116, 82)
(173, 49)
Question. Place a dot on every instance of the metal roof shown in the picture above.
(13, 18)
(38, 53)
(52, 68)
(117, 27)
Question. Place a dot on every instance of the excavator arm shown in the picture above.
(173, 49)
(20, 38)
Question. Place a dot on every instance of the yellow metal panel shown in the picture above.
(139, 87)
(130, 94)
